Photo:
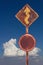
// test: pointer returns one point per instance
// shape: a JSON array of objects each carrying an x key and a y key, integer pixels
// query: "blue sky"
[{"x": 10, "y": 27}]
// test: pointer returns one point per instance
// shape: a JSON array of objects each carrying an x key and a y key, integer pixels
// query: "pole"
[
  {"x": 26, "y": 30},
  {"x": 26, "y": 58},
  {"x": 26, "y": 51}
]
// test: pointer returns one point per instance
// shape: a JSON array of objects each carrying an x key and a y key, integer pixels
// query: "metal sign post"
[
  {"x": 27, "y": 16},
  {"x": 26, "y": 51},
  {"x": 26, "y": 58}
]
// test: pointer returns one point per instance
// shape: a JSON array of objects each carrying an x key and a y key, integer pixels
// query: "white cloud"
[
  {"x": 35, "y": 52},
  {"x": 10, "y": 49}
]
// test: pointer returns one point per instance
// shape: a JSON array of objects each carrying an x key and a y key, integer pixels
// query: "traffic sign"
[
  {"x": 27, "y": 42},
  {"x": 27, "y": 15}
]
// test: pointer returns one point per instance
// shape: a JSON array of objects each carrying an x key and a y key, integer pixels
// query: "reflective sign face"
[
  {"x": 27, "y": 15},
  {"x": 27, "y": 42}
]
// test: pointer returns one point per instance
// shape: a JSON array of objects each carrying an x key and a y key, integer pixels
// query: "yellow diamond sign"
[{"x": 27, "y": 15}]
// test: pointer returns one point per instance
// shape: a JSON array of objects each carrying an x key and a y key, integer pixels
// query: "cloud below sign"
[{"x": 10, "y": 49}]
